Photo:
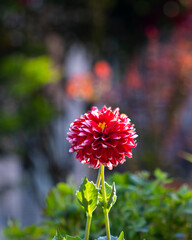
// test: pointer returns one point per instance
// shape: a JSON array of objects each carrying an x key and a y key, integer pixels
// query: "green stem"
[
  {"x": 89, "y": 217},
  {"x": 105, "y": 211},
  {"x": 98, "y": 178},
  {"x": 88, "y": 225}
]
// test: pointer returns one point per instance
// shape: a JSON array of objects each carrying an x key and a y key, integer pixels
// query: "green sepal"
[
  {"x": 110, "y": 194},
  {"x": 87, "y": 196},
  {"x": 58, "y": 236}
]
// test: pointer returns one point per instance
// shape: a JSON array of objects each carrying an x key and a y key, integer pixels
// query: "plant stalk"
[
  {"x": 88, "y": 225},
  {"x": 105, "y": 211},
  {"x": 98, "y": 178},
  {"x": 89, "y": 217}
]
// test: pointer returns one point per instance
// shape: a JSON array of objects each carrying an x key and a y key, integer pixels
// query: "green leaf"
[
  {"x": 112, "y": 198},
  {"x": 72, "y": 238},
  {"x": 58, "y": 236},
  {"x": 110, "y": 194},
  {"x": 88, "y": 196},
  {"x": 121, "y": 236},
  {"x": 112, "y": 238},
  {"x": 161, "y": 176}
]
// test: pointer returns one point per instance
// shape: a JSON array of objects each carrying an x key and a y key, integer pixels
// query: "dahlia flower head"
[{"x": 102, "y": 137}]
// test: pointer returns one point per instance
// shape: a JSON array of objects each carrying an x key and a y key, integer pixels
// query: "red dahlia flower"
[{"x": 102, "y": 137}]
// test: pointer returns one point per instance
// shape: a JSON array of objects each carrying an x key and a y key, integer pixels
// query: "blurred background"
[{"x": 59, "y": 58}]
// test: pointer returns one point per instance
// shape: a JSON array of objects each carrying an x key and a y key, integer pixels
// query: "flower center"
[{"x": 102, "y": 125}]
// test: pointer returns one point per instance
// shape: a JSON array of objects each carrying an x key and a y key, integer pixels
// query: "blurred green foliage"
[
  {"x": 24, "y": 105},
  {"x": 145, "y": 209},
  {"x": 27, "y": 75},
  {"x": 32, "y": 232},
  {"x": 187, "y": 156}
]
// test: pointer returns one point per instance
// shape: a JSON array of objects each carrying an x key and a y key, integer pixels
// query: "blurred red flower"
[
  {"x": 102, "y": 137},
  {"x": 102, "y": 69}
]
